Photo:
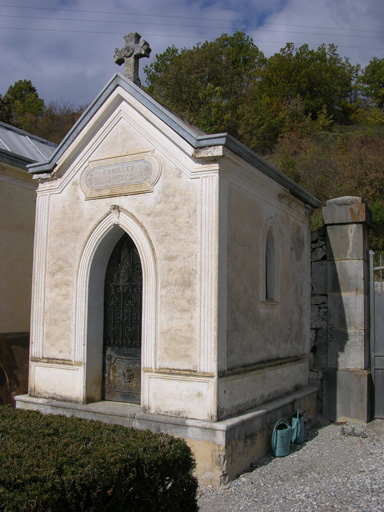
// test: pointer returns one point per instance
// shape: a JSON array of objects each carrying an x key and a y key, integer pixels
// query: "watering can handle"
[
  {"x": 298, "y": 422},
  {"x": 296, "y": 428}
]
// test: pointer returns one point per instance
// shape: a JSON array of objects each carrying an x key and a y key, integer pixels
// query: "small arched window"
[{"x": 270, "y": 268}]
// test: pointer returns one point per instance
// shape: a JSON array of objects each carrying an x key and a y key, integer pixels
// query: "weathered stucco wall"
[
  {"x": 261, "y": 330},
  {"x": 169, "y": 217},
  {"x": 267, "y": 337},
  {"x": 172, "y": 231}
]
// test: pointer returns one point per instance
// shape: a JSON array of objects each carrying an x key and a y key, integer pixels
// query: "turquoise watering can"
[{"x": 281, "y": 438}]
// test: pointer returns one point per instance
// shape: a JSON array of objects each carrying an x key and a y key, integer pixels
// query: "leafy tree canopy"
[
  {"x": 207, "y": 84},
  {"x": 372, "y": 81},
  {"x": 58, "y": 119},
  {"x": 25, "y": 104},
  {"x": 321, "y": 78},
  {"x": 228, "y": 85},
  {"x": 22, "y": 107},
  {"x": 6, "y": 115}
]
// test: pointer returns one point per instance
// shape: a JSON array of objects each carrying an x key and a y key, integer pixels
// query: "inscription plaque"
[
  {"x": 130, "y": 174},
  {"x": 115, "y": 175}
]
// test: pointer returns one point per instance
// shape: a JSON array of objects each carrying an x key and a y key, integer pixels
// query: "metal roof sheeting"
[{"x": 25, "y": 145}]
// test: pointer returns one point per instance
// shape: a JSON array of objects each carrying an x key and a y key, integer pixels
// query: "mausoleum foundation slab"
[{"x": 222, "y": 449}]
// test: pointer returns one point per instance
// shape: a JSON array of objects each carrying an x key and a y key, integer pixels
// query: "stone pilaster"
[{"x": 347, "y": 379}]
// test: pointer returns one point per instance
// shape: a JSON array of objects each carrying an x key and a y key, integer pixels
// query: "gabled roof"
[
  {"x": 196, "y": 138},
  {"x": 20, "y": 148}
]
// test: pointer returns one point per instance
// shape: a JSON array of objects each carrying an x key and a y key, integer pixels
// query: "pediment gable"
[
  {"x": 109, "y": 106},
  {"x": 124, "y": 119}
]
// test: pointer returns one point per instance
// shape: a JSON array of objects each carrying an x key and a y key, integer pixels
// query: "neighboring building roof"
[
  {"x": 21, "y": 148},
  {"x": 194, "y": 137}
]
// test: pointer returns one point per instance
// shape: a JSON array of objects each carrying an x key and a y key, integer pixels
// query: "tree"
[
  {"x": 228, "y": 85},
  {"x": 22, "y": 107},
  {"x": 320, "y": 78},
  {"x": 208, "y": 83},
  {"x": 372, "y": 83},
  {"x": 25, "y": 104},
  {"x": 5, "y": 111},
  {"x": 57, "y": 120}
]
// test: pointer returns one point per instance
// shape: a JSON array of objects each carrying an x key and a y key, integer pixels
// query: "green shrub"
[{"x": 53, "y": 463}]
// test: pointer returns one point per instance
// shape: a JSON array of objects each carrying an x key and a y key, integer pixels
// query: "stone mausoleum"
[{"x": 171, "y": 286}]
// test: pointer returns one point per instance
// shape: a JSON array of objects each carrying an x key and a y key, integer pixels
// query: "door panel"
[{"x": 122, "y": 323}]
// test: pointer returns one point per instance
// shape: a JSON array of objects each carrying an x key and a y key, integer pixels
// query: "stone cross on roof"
[{"x": 130, "y": 55}]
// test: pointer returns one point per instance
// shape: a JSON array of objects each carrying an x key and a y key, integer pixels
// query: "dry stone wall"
[{"x": 319, "y": 308}]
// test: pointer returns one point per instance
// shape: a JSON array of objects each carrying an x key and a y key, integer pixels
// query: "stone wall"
[{"x": 319, "y": 310}]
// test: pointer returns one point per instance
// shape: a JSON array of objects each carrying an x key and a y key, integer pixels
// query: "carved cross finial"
[{"x": 130, "y": 55}]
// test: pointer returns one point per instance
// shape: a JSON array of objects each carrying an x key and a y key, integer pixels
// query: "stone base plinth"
[
  {"x": 222, "y": 449},
  {"x": 347, "y": 394}
]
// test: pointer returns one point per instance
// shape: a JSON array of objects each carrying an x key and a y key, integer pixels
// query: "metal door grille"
[{"x": 123, "y": 292}]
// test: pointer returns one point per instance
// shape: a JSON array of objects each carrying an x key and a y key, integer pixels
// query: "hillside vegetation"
[{"x": 310, "y": 112}]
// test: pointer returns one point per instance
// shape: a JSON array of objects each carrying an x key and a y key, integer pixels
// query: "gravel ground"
[{"x": 328, "y": 472}]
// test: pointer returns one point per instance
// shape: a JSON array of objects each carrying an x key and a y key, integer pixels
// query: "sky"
[{"x": 66, "y": 47}]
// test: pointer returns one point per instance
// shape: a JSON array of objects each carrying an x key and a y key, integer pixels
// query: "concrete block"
[
  {"x": 346, "y": 242},
  {"x": 346, "y": 276},
  {"x": 319, "y": 277},
  {"x": 346, "y": 349},
  {"x": 348, "y": 210},
  {"x": 347, "y": 394},
  {"x": 346, "y": 312},
  {"x": 344, "y": 200}
]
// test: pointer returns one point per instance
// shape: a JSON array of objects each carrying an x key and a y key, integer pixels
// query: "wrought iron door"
[{"x": 122, "y": 323}]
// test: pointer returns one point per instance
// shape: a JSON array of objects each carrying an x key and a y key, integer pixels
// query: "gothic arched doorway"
[{"x": 122, "y": 324}]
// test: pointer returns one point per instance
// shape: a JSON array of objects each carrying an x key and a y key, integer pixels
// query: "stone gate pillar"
[{"x": 347, "y": 379}]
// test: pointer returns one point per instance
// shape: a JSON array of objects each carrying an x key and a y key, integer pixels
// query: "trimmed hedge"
[{"x": 54, "y": 463}]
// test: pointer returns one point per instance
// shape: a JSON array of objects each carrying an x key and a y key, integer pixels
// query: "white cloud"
[{"x": 352, "y": 25}]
